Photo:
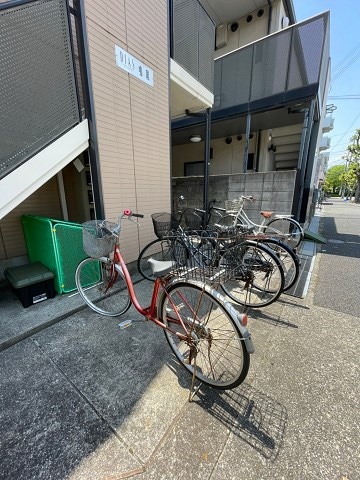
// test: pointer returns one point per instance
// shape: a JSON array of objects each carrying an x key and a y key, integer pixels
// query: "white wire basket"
[
  {"x": 233, "y": 206},
  {"x": 96, "y": 242}
]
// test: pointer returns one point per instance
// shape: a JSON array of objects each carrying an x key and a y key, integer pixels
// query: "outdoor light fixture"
[
  {"x": 195, "y": 138},
  {"x": 228, "y": 140}
]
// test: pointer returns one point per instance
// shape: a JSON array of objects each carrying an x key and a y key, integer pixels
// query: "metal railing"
[
  {"x": 192, "y": 40},
  {"x": 292, "y": 59},
  {"x": 38, "y": 94}
]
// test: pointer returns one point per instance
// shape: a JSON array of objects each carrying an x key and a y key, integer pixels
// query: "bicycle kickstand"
[{"x": 193, "y": 390}]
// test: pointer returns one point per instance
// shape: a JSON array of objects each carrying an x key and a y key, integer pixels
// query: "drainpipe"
[
  {"x": 84, "y": 60},
  {"x": 207, "y": 162},
  {"x": 302, "y": 161},
  {"x": 246, "y": 150},
  {"x": 269, "y": 17}
]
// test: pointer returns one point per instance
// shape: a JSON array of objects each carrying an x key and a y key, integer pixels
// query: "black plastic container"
[{"x": 31, "y": 283}]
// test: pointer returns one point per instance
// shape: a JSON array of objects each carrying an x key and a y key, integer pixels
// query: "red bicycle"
[{"x": 206, "y": 333}]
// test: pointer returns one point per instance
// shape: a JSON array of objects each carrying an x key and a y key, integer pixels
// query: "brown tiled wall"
[{"x": 132, "y": 117}]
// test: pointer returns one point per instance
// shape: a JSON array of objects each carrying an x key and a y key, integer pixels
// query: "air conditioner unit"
[{"x": 221, "y": 35}]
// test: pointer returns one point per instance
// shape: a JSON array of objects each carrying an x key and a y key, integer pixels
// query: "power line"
[
  {"x": 345, "y": 59},
  {"x": 339, "y": 142},
  {"x": 338, "y": 134},
  {"x": 344, "y": 97},
  {"x": 346, "y": 62}
]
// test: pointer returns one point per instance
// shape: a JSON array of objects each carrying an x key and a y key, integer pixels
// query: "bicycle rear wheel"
[
  {"x": 289, "y": 260},
  {"x": 166, "y": 249},
  {"x": 256, "y": 275},
  {"x": 290, "y": 230},
  {"x": 103, "y": 291},
  {"x": 222, "y": 360}
]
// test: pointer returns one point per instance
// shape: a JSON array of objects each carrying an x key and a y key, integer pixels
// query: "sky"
[{"x": 345, "y": 67}]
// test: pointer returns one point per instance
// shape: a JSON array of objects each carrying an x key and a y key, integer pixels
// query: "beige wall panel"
[
  {"x": 97, "y": 12},
  {"x": 132, "y": 117},
  {"x": 116, "y": 19},
  {"x": 44, "y": 202}
]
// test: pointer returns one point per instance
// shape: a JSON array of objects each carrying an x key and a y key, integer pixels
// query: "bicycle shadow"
[
  {"x": 250, "y": 415},
  {"x": 272, "y": 319},
  {"x": 269, "y": 318}
]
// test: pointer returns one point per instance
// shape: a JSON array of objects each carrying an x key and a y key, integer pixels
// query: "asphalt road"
[{"x": 338, "y": 286}]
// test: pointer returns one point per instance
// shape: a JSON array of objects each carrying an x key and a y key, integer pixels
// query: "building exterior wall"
[
  {"x": 44, "y": 202},
  {"x": 227, "y": 158},
  {"x": 132, "y": 117},
  {"x": 246, "y": 32}
]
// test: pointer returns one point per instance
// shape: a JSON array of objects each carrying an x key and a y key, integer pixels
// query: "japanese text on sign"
[{"x": 132, "y": 65}]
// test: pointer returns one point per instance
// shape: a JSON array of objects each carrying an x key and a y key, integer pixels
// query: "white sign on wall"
[{"x": 132, "y": 65}]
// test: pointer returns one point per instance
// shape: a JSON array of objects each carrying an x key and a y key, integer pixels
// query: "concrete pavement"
[{"x": 83, "y": 399}]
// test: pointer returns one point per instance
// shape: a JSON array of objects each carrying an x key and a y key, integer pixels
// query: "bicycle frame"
[
  {"x": 150, "y": 312},
  {"x": 242, "y": 217}
]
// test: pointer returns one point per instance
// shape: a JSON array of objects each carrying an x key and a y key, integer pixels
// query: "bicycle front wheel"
[
  {"x": 256, "y": 278},
  {"x": 289, "y": 229},
  {"x": 102, "y": 290},
  {"x": 221, "y": 359},
  {"x": 289, "y": 260}
]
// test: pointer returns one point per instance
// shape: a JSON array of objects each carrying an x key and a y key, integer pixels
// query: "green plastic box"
[{"x": 58, "y": 245}]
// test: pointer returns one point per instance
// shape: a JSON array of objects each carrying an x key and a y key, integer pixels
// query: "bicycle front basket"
[
  {"x": 96, "y": 242},
  {"x": 193, "y": 220},
  {"x": 233, "y": 206},
  {"x": 164, "y": 224}
]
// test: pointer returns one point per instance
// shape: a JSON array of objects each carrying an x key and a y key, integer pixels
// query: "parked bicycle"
[
  {"x": 257, "y": 274},
  {"x": 287, "y": 255},
  {"x": 207, "y": 335},
  {"x": 283, "y": 226}
]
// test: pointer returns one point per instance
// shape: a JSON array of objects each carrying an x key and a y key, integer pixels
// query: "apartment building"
[
  {"x": 128, "y": 104},
  {"x": 271, "y": 78}
]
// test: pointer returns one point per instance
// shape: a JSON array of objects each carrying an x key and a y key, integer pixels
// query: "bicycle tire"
[
  {"x": 288, "y": 258},
  {"x": 227, "y": 220},
  {"x": 222, "y": 361},
  {"x": 165, "y": 249},
  {"x": 93, "y": 278},
  {"x": 256, "y": 278},
  {"x": 291, "y": 231}
]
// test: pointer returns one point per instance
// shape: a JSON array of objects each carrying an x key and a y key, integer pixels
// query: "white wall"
[{"x": 227, "y": 158}]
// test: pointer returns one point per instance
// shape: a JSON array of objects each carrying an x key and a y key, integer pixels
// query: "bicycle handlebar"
[{"x": 129, "y": 213}]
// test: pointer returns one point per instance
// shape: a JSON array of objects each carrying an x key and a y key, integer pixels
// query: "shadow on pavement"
[
  {"x": 249, "y": 414},
  {"x": 255, "y": 418}
]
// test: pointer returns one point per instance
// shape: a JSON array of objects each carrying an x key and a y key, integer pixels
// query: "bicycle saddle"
[
  {"x": 160, "y": 268},
  {"x": 266, "y": 214}
]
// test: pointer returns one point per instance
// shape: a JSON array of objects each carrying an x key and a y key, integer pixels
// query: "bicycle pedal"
[{"x": 125, "y": 324}]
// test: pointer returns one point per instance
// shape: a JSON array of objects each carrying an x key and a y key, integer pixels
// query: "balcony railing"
[
  {"x": 38, "y": 94},
  {"x": 279, "y": 67},
  {"x": 192, "y": 40}
]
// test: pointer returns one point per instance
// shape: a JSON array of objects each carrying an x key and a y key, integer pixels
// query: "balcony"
[
  {"x": 324, "y": 143},
  {"x": 283, "y": 68},
  {"x": 192, "y": 57},
  {"x": 328, "y": 124}
]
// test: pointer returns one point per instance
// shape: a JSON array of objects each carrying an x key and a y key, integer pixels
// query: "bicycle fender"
[{"x": 235, "y": 315}]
